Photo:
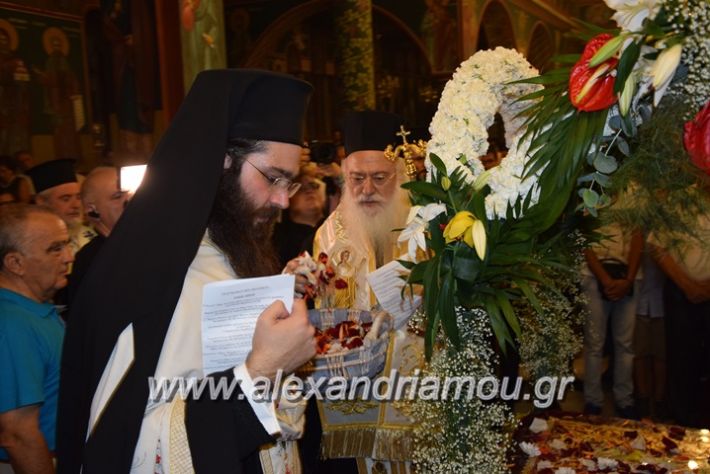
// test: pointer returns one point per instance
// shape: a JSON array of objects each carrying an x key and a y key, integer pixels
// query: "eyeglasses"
[
  {"x": 378, "y": 179},
  {"x": 281, "y": 184}
]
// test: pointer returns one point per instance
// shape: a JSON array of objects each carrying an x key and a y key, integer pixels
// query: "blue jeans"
[{"x": 623, "y": 318}]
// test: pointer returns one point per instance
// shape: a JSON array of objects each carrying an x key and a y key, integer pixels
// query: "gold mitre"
[{"x": 406, "y": 151}]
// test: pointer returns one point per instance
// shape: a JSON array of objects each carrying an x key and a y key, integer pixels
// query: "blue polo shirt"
[{"x": 31, "y": 336}]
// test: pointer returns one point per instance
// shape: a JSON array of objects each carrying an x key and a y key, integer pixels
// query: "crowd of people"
[
  {"x": 231, "y": 192},
  {"x": 652, "y": 296}
]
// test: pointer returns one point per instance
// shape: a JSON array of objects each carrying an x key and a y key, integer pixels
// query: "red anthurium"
[
  {"x": 697, "y": 139},
  {"x": 592, "y": 88}
]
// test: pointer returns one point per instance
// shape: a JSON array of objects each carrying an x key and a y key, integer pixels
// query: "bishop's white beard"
[{"x": 375, "y": 231}]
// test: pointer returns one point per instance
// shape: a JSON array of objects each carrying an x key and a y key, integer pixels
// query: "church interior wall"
[{"x": 417, "y": 46}]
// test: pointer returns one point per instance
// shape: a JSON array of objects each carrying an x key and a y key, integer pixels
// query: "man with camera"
[{"x": 325, "y": 156}]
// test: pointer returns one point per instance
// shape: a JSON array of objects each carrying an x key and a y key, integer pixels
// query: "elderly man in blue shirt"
[{"x": 34, "y": 262}]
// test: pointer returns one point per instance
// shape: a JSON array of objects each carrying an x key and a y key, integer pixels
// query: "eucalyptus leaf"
[
  {"x": 587, "y": 178},
  {"x": 623, "y": 146},
  {"x": 602, "y": 179},
  {"x": 590, "y": 197},
  {"x": 605, "y": 163},
  {"x": 615, "y": 122}
]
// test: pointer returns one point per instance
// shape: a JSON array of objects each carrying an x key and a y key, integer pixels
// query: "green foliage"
[
  {"x": 454, "y": 275},
  {"x": 626, "y": 65},
  {"x": 663, "y": 189}
]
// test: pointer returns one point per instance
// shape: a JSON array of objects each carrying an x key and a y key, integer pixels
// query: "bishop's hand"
[{"x": 294, "y": 267}]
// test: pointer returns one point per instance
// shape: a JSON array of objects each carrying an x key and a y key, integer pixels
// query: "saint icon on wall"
[
  {"x": 63, "y": 101},
  {"x": 202, "y": 37},
  {"x": 14, "y": 94}
]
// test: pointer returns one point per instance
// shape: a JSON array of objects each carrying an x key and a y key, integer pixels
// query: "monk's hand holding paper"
[{"x": 281, "y": 340}]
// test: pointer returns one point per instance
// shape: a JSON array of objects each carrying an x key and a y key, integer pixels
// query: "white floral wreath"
[{"x": 459, "y": 131}]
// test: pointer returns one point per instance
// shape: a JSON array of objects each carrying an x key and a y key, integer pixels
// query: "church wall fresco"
[
  {"x": 202, "y": 37},
  {"x": 417, "y": 45},
  {"x": 43, "y": 105}
]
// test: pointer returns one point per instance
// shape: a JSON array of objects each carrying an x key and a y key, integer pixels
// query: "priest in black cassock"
[{"x": 213, "y": 187}]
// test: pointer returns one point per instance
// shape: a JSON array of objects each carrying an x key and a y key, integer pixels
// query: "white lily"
[
  {"x": 663, "y": 70},
  {"x": 630, "y": 14},
  {"x": 417, "y": 223}
]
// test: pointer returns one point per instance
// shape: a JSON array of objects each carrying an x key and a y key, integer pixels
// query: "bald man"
[
  {"x": 103, "y": 203},
  {"x": 102, "y": 199}
]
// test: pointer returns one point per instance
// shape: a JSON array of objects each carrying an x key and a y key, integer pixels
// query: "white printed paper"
[
  {"x": 387, "y": 286},
  {"x": 229, "y": 312}
]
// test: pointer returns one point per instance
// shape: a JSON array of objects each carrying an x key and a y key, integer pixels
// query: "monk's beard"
[
  {"x": 377, "y": 230},
  {"x": 234, "y": 228}
]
